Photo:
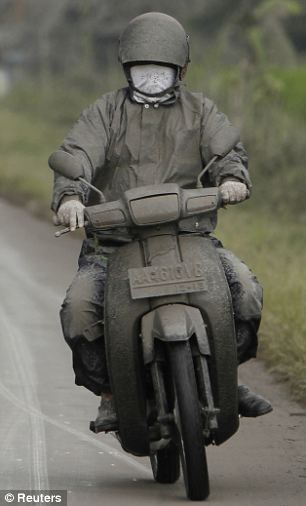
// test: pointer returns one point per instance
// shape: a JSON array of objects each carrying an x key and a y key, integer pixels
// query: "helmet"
[{"x": 154, "y": 37}]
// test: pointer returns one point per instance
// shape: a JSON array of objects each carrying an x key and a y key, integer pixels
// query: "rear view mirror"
[
  {"x": 69, "y": 166},
  {"x": 65, "y": 164}
]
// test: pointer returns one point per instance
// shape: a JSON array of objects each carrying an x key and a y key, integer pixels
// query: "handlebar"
[{"x": 152, "y": 205}]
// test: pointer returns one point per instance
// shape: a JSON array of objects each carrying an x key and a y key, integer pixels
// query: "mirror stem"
[
  {"x": 92, "y": 187},
  {"x": 199, "y": 183}
]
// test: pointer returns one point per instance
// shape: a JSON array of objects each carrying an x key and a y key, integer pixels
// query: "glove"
[
  {"x": 71, "y": 212},
  {"x": 233, "y": 192}
]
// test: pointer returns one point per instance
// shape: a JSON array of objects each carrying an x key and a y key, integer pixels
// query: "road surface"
[{"x": 44, "y": 436}]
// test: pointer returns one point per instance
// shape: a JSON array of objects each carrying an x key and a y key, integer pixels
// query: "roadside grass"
[{"x": 271, "y": 243}]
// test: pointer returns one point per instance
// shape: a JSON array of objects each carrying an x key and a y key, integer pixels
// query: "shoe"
[
  {"x": 106, "y": 419},
  {"x": 251, "y": 404}
]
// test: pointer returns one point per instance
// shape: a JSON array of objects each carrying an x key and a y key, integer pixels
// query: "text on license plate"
[{"x": 174, "y": 279}]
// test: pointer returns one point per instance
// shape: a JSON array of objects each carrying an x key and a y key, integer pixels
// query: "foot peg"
[{"x": 107, "y": 427}]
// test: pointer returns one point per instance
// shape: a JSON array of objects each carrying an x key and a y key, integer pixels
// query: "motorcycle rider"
[{"x": 152, "y": 131}]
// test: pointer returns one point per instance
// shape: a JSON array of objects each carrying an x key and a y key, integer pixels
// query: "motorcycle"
[{"x": 169, "y": 327}]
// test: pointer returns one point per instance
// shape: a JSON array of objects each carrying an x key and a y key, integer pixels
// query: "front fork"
[
  {"x": 208, "y": 409},
  {"x": 163, "y": 428}
]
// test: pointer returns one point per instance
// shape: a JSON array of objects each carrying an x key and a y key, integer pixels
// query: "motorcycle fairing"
[{"x": 173, "y": 322}]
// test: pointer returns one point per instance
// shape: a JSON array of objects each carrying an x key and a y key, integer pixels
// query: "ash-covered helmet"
[{"x": 154, "y": 37}]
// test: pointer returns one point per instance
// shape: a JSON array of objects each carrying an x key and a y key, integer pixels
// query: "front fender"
[{"x": 173, "y": 322}]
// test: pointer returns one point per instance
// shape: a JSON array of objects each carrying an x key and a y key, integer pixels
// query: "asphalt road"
[{"x": 44, "y": 437}]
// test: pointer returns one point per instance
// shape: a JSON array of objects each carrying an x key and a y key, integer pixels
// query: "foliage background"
[{"x": 247, "y": 55}]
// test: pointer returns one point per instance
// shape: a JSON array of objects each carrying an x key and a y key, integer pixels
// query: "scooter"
[{"x": 169, "y": 327}]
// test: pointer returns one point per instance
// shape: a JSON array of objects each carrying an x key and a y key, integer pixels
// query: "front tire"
[{"x": 188, "y": 420}]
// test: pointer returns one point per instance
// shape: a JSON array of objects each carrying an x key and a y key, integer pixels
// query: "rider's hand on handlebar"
[
  {"x": 233, "y": 192},
  {"x": 71, "y": 212}
]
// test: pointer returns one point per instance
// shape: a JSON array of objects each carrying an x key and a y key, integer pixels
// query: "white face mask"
[{"x": 152, "y": 78}]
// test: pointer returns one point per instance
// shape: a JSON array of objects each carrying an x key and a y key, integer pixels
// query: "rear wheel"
[
  {"x": 166, "y": 464},
  {"x": 188, "y": 421}
]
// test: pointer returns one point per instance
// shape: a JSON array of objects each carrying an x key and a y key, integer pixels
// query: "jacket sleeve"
[
  {"x": 234, "y": 166},
  {"x": 87, "y": 141}
]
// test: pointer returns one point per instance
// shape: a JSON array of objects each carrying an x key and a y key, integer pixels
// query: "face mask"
[{"x": 152, "y": 78}]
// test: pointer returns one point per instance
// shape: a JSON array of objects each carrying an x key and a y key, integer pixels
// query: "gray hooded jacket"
[{"x": 123, "y": 144}]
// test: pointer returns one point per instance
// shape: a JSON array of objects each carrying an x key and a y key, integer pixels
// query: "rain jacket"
[{"x": 123, "y": 144}]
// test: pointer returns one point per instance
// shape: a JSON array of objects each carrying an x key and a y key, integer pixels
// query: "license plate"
[{"x": 164, "y": 280}]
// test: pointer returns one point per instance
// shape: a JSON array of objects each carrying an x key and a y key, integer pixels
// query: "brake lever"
[{"x": 65, "y": 230}]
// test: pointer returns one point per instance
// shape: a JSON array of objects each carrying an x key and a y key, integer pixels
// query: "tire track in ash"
[
  {"x": 6, "y": 393},
  {"x": 24, "y": 370}
]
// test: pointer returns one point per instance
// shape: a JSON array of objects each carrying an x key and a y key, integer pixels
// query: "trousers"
[{"x": 82, "y": 312}]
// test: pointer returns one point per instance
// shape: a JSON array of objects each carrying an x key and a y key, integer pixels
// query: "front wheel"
[{"x": 188, "y": 421}]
